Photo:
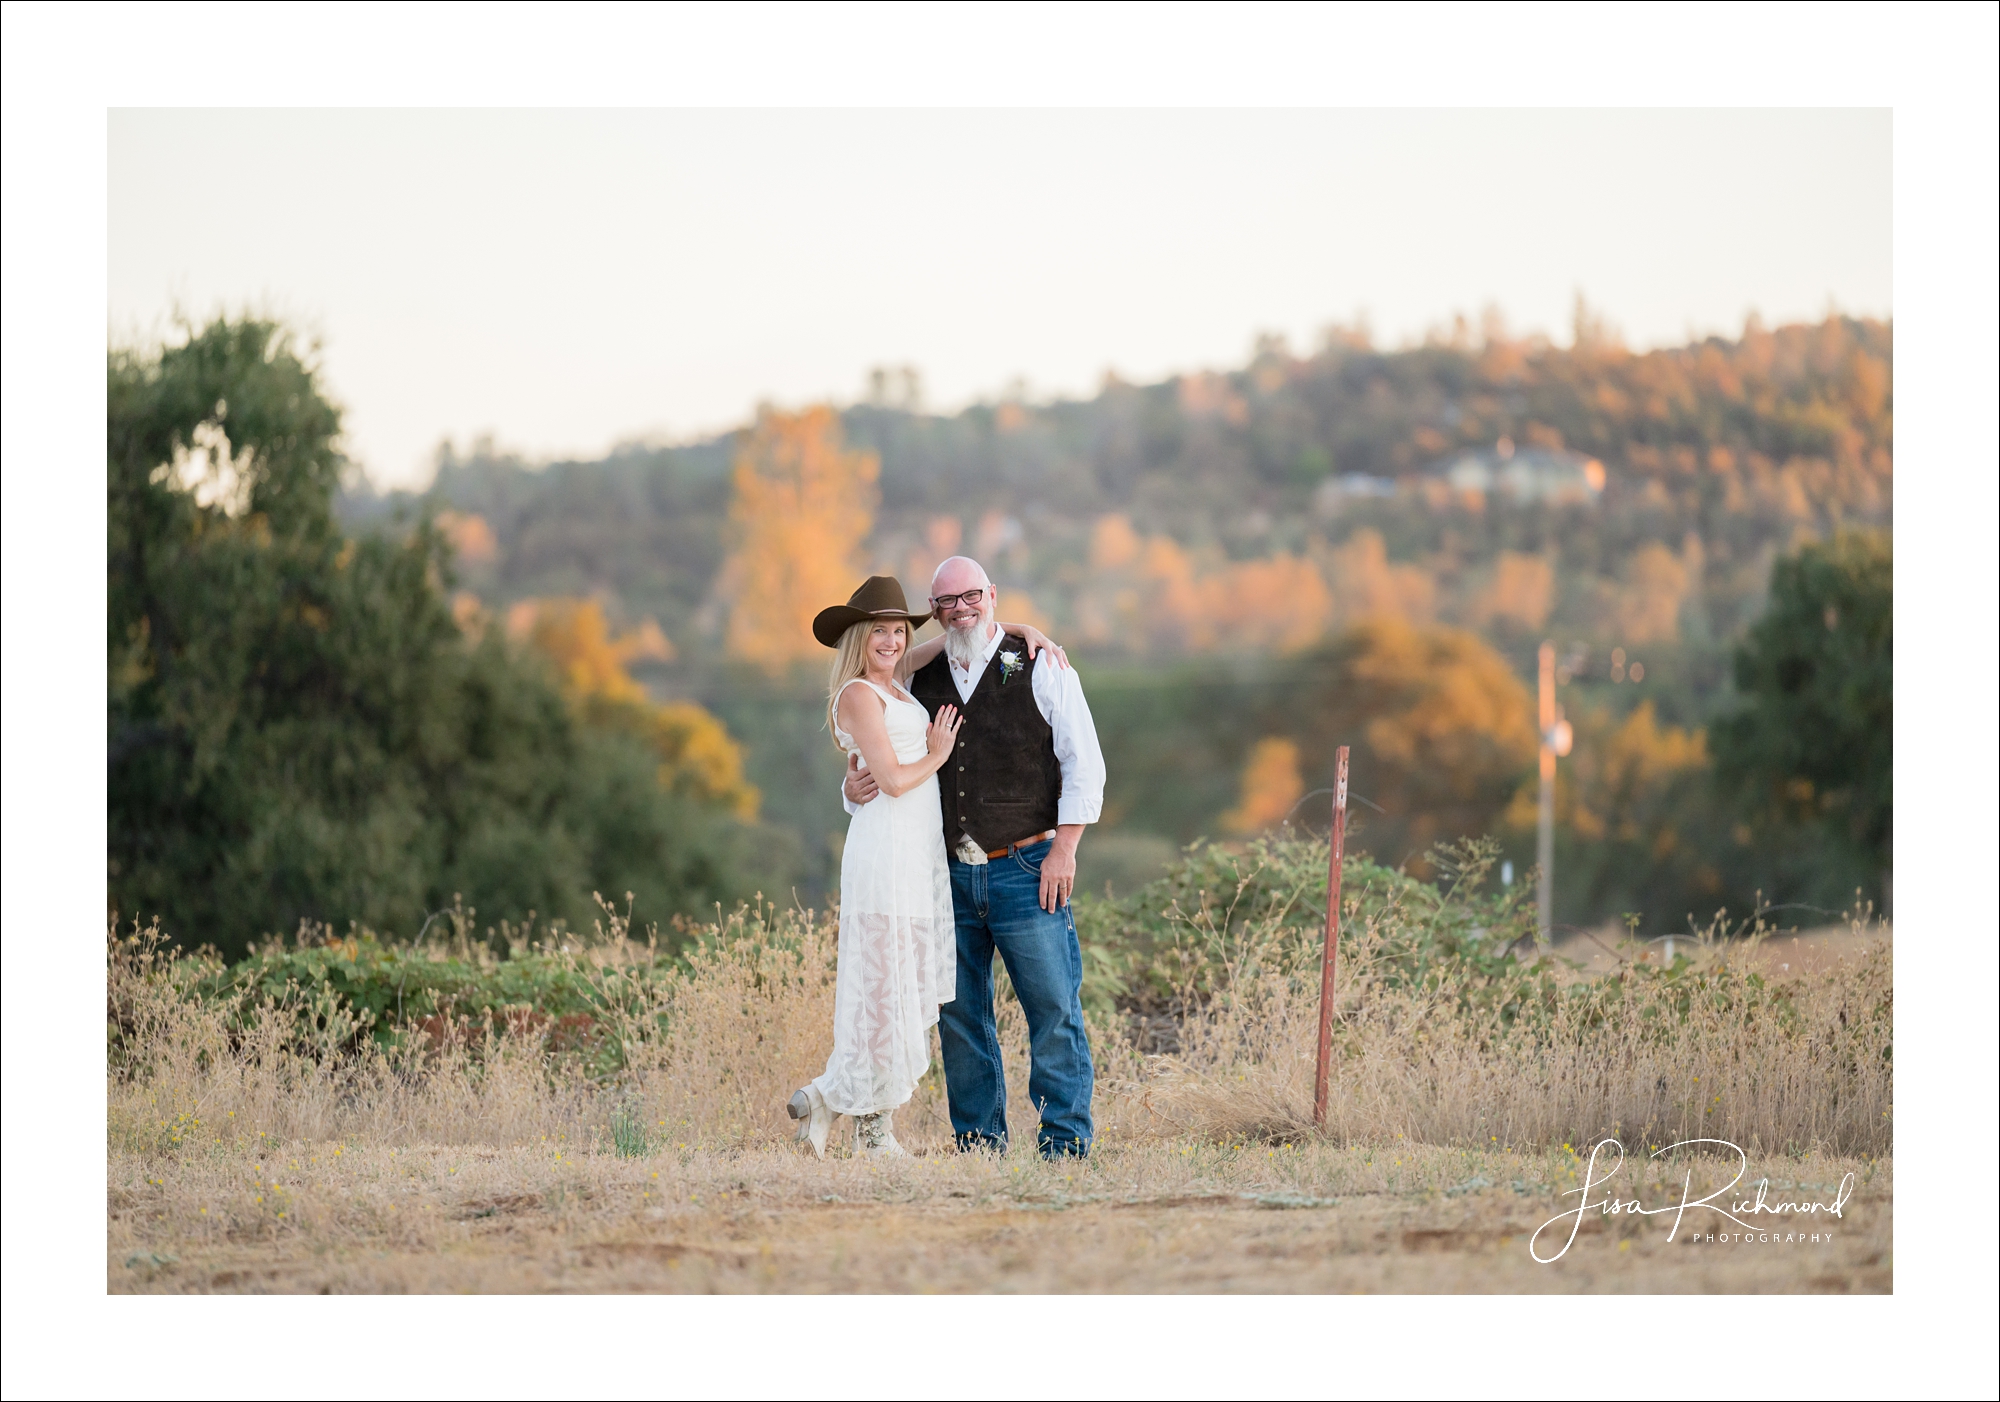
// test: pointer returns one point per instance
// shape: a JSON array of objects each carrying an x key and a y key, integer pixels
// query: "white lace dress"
[{"x": 898, "y": 953}]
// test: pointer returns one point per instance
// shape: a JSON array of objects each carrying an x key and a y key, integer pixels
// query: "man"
[{"x": 1026, "y": 778}]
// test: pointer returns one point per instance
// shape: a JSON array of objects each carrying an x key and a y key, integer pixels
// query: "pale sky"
[{"x": 564, "y": 280}]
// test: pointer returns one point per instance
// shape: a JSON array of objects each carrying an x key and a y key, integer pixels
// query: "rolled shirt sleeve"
[{"x": 1059, "y": 697}]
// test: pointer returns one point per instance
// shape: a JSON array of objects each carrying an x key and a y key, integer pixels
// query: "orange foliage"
[
  {"x": 1460, "y": 713},
  {"x": 1280, "y": 602},
  {"x": 942, "y": 534},
  {"x": 1271, "y": 787},
  {"x": 1366, "y": 585},
  {"x": 1636, "y": 759},
  {"x": 1522, "y": 592},
  {"x": 573, "y": 634},
  {"x": 1442, "y": 731},
  {"x": 1613, "y": 785},
  {"x": 472, "y": 540},
  {"x": 1648, "y": 608},
  {"x": 1151, "y": 589},
  {"x": 1170, "y": 596},
  {"x": 697, "y": 755},
  {"x": 1113, "y": 542},
  {"x": 1015, "y": 606},
  {"x": 803, "y": 505}
]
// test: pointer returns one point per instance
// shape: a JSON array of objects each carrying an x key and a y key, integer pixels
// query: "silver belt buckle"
[{"x": 970, "y": 852}]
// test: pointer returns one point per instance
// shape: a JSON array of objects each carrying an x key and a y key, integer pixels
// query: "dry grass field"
[
  {"x": 1780, "y": 956},
  {"x": 1149, "y": 1217},
  {"x": 247, "y": 1155}
]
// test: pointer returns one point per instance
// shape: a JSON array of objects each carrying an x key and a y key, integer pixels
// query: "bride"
[{"x": 898, "y": 946}]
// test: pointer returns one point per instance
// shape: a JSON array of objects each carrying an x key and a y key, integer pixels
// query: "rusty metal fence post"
[{"x": 1330, "y": 953}]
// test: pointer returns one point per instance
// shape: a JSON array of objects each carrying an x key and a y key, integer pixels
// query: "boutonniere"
[{"x": 1010, "y": 666}]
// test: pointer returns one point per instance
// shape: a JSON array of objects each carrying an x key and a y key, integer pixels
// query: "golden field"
[
  {"x": 1155, "y": 1216},
  {"x": 245, "y": 1158}
]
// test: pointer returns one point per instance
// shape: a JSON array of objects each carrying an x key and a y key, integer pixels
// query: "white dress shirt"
[{"x": 1059, "y": 697}]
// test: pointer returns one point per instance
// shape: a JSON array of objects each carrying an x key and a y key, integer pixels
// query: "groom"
[{"x": 1026, "y": 779}]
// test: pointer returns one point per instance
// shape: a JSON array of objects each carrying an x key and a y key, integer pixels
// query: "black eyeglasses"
[{"x": 971, "y": 598}]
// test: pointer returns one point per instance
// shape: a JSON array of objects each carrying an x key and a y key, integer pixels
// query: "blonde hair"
[{"x": 850, "y": 660}]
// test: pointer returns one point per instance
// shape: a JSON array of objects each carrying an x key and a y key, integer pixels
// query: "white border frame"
[{"x": 64, "y": 66}]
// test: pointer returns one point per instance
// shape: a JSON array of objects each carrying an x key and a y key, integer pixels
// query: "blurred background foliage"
[{"x": 539, "y": 679}]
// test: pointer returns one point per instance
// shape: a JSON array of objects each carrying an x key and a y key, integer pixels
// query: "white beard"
[{"x": 965, "y": 646}]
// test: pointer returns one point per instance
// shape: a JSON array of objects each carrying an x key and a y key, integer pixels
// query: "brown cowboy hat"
[{"x": 879, "y": 596}]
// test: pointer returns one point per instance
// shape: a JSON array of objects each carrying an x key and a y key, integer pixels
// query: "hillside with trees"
[
  {"x": 1259, "y": 564},
  {"x": 1716, "y": 457}
]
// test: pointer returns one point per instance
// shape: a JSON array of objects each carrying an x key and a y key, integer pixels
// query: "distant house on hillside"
[
  {"x": 1335, "y": 491},
  {"x": 1525, "y": 474}
]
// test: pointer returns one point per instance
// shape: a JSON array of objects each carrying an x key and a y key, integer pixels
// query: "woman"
[{"x": 898, "y": 951}]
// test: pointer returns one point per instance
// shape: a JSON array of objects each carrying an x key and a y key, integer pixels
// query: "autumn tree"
[
  {"x": 1637, "y": 828},
  {"x": 803, "y": 505},
  {"x": 1271, "y": 787},
  {"x": 1149, "y": 590},
  {"x": 1368, "y": 586},
  {"x": 1519, "y": 596},
  {"x": 1440, "y": 728},
  {"x": 698, "y": 758}
]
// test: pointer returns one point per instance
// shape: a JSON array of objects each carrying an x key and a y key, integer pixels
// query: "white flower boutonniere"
[{"x": 1010, "y": 666}]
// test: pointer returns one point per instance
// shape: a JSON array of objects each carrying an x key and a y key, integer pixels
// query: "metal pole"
[
  {"x": 1545, "y": 835},
  {"x": 1327, "y": 956}
]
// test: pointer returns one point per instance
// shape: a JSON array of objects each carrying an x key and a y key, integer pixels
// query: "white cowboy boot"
[
  {"x": 814, "y": 1115},
  {"x": 874, "y": 1139}
]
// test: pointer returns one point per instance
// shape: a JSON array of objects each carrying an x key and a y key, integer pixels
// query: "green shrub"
[{"x": 1175, "y": 938}]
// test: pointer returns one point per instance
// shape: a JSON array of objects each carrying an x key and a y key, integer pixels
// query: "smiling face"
[
  {"x": 956, "y": 578},
  {"x": 887, "y": 642}
]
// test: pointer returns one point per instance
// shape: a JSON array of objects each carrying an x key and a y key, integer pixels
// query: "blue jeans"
[{"x": 998, "y": 908}]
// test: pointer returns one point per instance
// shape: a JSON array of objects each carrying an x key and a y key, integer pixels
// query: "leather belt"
[{"x": 1008, "y": 850}]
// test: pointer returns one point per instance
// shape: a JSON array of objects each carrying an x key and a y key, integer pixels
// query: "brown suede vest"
[{"x": 1003, "y": 782}]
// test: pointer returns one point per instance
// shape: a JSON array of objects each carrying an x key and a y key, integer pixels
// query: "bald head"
[{"x": 957, "y": 575}]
